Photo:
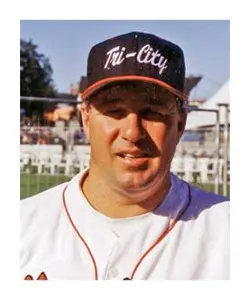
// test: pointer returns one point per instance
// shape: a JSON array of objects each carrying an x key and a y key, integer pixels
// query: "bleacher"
[{"x": 51, "y": 159}]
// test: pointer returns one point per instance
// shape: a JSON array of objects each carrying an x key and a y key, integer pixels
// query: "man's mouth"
[
  {"x": 133, "y": 155},
  {"x": 134, "y": 160}
]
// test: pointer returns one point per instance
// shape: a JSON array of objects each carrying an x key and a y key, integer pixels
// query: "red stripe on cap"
[{"x": 97, "y": 85}]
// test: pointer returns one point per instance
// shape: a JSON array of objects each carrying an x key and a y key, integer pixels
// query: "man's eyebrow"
[
  {"x": 110, "y": 100},
  {"x": 156, "y": 102},
  {"x": 149, "y": 100},
  {"x": 159, "y": 102}
]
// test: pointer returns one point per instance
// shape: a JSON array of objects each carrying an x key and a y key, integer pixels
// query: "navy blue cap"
[{"x": 136, "y": 56}]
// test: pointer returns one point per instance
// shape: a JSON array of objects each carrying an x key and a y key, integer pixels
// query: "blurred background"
[{"x": 53, "y": 58}]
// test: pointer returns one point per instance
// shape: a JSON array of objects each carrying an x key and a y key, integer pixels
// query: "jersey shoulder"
[
  {"x": 42, "y": 199},
  {"x": 207, "y": 203},
  {"x": 40, "y": 209}
]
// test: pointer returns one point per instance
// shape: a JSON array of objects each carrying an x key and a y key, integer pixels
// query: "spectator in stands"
[
  {"x": 25, "y": 138},
  {"x": 64, "y": 113},
  {"x": 41, "y": 140},
  {"x": 49, "y": 117},
  {"x": 24, "y": 121},
  {"x": 35, "y": 119}
]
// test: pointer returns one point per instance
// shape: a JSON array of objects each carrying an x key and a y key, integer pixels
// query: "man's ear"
[
  {"x": 181, "y": 123},
  {"x": 84, "y": 109}
]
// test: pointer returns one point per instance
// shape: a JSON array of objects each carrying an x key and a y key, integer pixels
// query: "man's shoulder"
[
  {"x": 204, "y": 203},
  {"x": 45, "y": 207},
  {"x": 40, "y": 207},
  {"x": 44, "y": 198},
  {"x": 198, "y": 194}
]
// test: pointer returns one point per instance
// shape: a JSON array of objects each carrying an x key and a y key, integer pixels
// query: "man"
[{"x": 127, "y": 217}]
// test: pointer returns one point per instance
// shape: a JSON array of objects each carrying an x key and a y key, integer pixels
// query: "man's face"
[{"x": 133, "y": 131}]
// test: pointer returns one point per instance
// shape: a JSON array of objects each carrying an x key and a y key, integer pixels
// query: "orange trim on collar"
[{"x": 160, "y": 238}]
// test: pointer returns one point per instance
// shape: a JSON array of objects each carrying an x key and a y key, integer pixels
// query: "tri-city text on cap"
[{"x": 145, "y": 55}]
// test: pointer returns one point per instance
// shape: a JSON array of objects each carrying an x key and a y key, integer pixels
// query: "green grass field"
[{"x": 31, "y": 184}]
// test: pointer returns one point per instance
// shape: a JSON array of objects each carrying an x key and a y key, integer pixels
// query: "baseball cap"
[{"x": 136, "y": 56}]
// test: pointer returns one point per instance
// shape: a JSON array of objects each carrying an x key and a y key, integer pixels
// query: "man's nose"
[{"x": 132, "y": 128}]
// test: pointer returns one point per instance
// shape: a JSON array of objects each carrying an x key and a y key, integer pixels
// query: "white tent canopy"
[{"x": 197, "y": 119}]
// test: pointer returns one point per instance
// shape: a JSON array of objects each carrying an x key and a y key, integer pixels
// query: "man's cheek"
[
  {"x": 103, "y": 135},
  {"x": 109, "y": 130}
]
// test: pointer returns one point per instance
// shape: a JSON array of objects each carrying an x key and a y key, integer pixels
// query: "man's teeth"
[{"x": 134, "y": 155}]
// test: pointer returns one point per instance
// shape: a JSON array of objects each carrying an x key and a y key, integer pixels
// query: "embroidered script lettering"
[
  {"x": 146, "y": 55},
  {"x": 115, "y": 57}
]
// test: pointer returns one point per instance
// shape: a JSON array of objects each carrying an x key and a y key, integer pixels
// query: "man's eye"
[
  {"x": 115, "y": 112},
  {"x": 150, "y": 113}
]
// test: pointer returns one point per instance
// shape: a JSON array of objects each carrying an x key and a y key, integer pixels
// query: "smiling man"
[
  {"x": 133, "y": 129},
  {"x": 127, "y": 216}
]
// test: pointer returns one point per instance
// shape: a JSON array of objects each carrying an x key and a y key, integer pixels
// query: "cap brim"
[{"x": 101, "y": 83}]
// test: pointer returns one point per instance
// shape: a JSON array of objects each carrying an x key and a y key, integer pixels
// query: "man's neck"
[{"x": 120, "y": 205}]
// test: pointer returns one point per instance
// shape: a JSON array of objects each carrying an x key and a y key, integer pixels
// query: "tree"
[{"x": 35, "y": 72}]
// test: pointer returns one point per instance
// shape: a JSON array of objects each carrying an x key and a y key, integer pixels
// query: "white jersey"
[{"x": 54, "y": 233}]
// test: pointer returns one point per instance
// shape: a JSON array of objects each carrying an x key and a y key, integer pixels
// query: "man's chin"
[{"x": 137, "y": 183}]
